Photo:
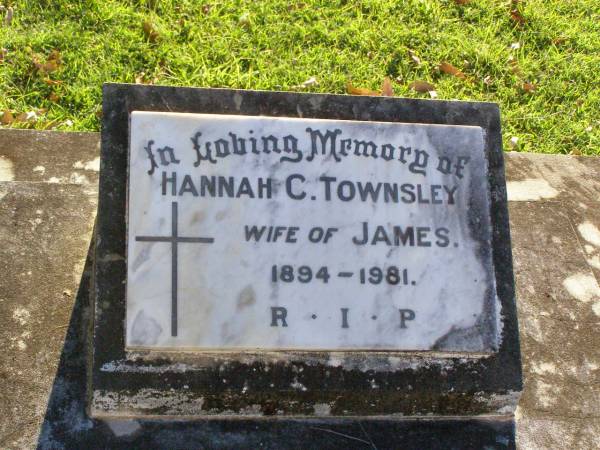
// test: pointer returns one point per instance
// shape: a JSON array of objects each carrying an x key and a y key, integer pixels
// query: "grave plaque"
[
  {"x": 293, "y": 255},
  {"x": 250, "y": 232}
]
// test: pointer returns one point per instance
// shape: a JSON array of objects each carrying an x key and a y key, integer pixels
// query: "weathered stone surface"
[
  {"x": 50, "y": 157},
  {"x": 39, "y": 404},
  {"x": 555, "y": 224},
  {"x": 45, "y": 229}
]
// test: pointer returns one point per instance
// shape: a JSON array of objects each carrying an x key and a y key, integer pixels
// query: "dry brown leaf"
[
  {"x": 421, "y": 86},
  {"x": 297, "y": 6},
  {"x": 150, "y": 31},
  {"x": 7, "y": 117},
  {"x": 414, "y": 57},
  {"x": 3, "y": 53},
  {"x": 53, "y": 97},
  {"x": 52, "y": 63},
  {"x": 528, "y": 87},
  {"x": 559, "y": 40},
  {"x": 27, "y": 117},
  {"x": 55, "y": 56},
  {"x": 514, "y": 65},
  {"x": 50, "y": 82},
  {"x": 516, "y": 16},
  {"x": 461, "y": 2},
  {"x": 360, "y": 91},
  {"x": 451, "y": 70},
  {"x": 50, "y": 66},
  {"x": 23, "y": 117},
  {"x": 386, "y": 89}
]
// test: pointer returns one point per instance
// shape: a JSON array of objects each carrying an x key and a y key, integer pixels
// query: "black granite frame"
[{"x": 192, "y": 385}]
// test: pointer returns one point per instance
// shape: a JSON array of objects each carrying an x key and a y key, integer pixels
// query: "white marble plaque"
[{"x": 248, "y": 232}]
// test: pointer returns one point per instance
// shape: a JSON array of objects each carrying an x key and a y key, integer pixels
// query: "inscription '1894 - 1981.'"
[{"x": 314, "y": 234}]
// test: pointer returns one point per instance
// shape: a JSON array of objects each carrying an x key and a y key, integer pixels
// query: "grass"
[{"x": 58, "y": 54}]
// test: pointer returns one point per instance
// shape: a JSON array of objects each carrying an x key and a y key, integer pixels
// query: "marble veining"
[{"x": 248, "y": 232}]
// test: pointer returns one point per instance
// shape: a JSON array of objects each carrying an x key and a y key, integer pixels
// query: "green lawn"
[{"x": 55, "y": 55}]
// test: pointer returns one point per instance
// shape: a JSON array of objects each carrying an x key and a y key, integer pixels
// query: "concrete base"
[
  {"x": 555, "y": 226},
  {"x": 48, "y": 188}
]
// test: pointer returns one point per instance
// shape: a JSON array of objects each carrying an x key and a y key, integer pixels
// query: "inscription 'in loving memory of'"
[{"x": 327, "y": 143}]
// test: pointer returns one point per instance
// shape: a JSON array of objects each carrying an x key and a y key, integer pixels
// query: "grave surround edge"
[{"x": 260, "y": 384}]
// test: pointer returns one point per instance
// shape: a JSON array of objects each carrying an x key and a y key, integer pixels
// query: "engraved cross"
[{"x": 174, "y": 239}]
